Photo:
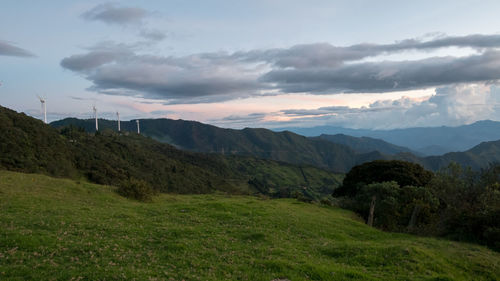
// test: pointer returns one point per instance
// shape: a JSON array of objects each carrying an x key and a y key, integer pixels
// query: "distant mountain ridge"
[
  {"x": 262, "y": 143},
  {"x": 367, "y": 144},
  {"x": 426, "y": 140},
  {"x": 336, "y": 153}
]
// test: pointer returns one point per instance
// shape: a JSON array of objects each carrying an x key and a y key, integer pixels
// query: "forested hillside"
[
  {"x": 28, "y": 145},
  {"x": 262, "y": 143},
  {"x": 366, "y": 144}
]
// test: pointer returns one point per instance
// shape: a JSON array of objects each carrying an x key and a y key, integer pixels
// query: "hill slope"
[
  {"x": 62, "y": 230},
  {"x": 28, "y": 145},
  {"x": 478, "y": 157},
  {"x": 366, "y": 144}
]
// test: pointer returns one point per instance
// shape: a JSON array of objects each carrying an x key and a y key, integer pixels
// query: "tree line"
[{"x": 454, "y": 202}]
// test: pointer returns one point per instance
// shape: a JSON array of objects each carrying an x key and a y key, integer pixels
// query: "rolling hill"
[{"x": 59, "y": 229}]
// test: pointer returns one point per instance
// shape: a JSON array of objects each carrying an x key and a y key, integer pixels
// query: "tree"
[
  {"x": 388, "y": 206},
  {"x": 401, "y": 172},
  {"x": 469, "y": 204}
]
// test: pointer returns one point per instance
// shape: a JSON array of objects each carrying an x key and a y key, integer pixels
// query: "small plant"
[
  {"x": 136, "y": 189},
  {"x": 326, "y": 201},
  {"x": 300, "y": 196}
]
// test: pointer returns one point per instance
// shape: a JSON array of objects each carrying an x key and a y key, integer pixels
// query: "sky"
[{"x": 260, "y": 63}]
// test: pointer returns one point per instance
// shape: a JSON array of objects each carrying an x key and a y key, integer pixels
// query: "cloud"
[
  {"x": 324, "y": 55},
  {"x": 154, "y": 35},
  {"x": 311, "y": 68},
  {"x": 249, "y": 120},
  {"x": 450, "y": 105},
  {"x": 7, "y": 49},
  {"x": 82, "y": 99},
  {"x": 240, "y": 118},
  {"x": 388, "y": 76},
  {"x": 97, "y": 56},
  {"x": 335, "y": 110},
  {"x": 118, "y": 70},
  {"x": 114, "y": 14}
]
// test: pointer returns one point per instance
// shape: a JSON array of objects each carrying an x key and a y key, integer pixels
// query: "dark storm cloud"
[
  {"x": 114, "y": 14},
  {"x": 314, "y": 68},
  {"x": 7, "y": 49}
]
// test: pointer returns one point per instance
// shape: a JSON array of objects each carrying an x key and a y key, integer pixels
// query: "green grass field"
[{"x": 57, "y": 229}]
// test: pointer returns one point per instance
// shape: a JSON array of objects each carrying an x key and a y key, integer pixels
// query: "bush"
[
  {"x": 136, "y": 189},
  {"x": 300, "y": 196}
]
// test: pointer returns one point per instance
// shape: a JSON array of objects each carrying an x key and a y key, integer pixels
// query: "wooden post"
[
  {"x": 413, "y": 218},
  {"x": 372, "y": 210}
]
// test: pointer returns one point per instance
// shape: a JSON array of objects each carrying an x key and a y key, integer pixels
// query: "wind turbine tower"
[
  {"x": 95, "y": 116},
  {"x": 118, "y": 117},
  {"x": 44, "y": 109},
  {"x": 138, "y": 128}
]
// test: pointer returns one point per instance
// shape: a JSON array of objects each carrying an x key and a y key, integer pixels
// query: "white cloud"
[
  {"x": 451, "y": 105},
  {"x": 313, "y": 68}
]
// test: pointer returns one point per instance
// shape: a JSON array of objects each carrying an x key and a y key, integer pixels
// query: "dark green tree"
[{"x": 401, "y": 172}]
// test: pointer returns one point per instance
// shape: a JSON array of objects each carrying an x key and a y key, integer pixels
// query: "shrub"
[
  {"x": 136, "y": 189},
  {"x": 300, "y": 196}
]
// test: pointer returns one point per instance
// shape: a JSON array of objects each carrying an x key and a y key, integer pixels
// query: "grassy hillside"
[{"x": 55, "y": 229}]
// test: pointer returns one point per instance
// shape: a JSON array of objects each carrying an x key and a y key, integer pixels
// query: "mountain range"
[
  {"x": 337, "y": 153},
  {"x": 262, "y": 143},
  {"x": 367, "y": 144},
  {"x": 425, "y": 140}
]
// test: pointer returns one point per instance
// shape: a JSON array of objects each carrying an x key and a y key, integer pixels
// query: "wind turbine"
[
  {"x": 44, "y": 109},
  {"x": 118, "y": 117},
  {"x": 95, "y": 116},
  {"x": 138, "y": 129}
]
